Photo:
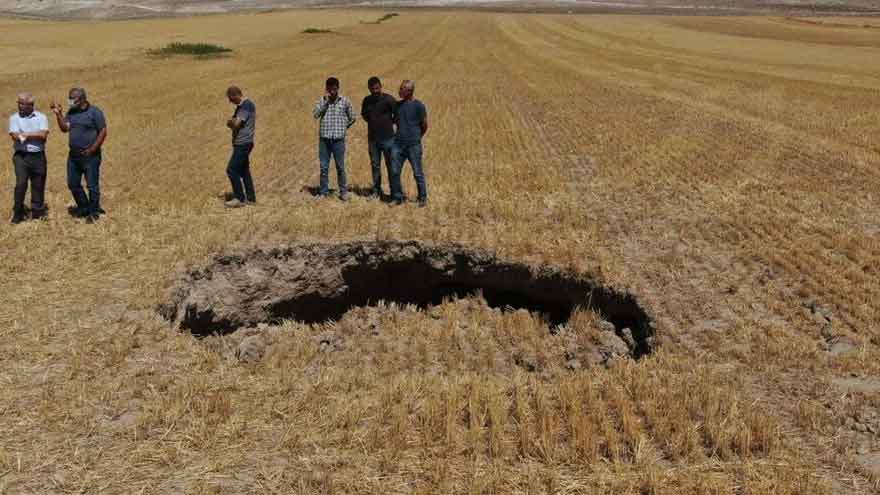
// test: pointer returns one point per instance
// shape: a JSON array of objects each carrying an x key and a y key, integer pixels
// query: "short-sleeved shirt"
[
  {"x": 246, "y": 111},
  {"x": 378, "y": 111},
  {"x": 85, "y": 125},
  {"x": 35, "y": 122},
  {"x": 410, "y": 115}
]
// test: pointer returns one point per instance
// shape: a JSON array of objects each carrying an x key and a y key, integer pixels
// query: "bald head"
[{"x": 25, "y": 104}]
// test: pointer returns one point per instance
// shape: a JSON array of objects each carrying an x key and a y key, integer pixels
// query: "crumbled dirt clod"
[{"x": 251, "y": 349}]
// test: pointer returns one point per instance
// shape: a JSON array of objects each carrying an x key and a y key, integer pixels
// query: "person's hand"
[
  {"x": 91, "y": 150},
  {"x": 22, "y": 137},
  {"x": 56, "y": 108}
]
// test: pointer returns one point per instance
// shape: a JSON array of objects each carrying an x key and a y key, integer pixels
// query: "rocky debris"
[
  {"x": 330, "y": 342},
  {"x": 611, "y": 345},
  {"x": 573, "y": 364},
  {"x": 527, "y": 361},
  {"x": 315, "y": 283},
  {"x": 607, "y": 326},
  {"x": 627, "y": 336},
  {"x": 840, "y": 345},
  {"x": 870, "y": 462},
  {"x": 251, "y": 349}
]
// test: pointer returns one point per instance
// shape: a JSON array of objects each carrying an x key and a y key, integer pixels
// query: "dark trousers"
[
  {"x": 29, "y": 167},
  {"x": 90, "y": 167},
  {"x": 239, "y": 172},
  {"x": 378, "y": 150}
]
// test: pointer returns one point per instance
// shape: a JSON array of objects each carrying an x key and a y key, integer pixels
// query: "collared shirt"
[
  {"x": 410, "y": 115},
  {"x": 85, "y": 125},
  {"x": 246, "y": 111},
  {"x": 335, "y": 117},
  {"x": 35, "y": 122},
  {"x": 378, "y": 111}
]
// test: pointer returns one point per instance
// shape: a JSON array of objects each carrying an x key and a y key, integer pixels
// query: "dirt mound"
[{"x": 314, "y": 283}]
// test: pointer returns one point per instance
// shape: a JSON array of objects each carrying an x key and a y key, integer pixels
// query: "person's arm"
[
  {"x": 40, "y": 135},
  {"x": 365, "y": 110},
  {"x": 320, "y": 108},
  {"x": 102, "y": 135},
  {"x": 424, "y": 123},
  {"x": 14, "y": 131},
  {"x": 349, "y": 112},
  {"x": 63, "y": 124},
  {"x": 242, "y": 115}
]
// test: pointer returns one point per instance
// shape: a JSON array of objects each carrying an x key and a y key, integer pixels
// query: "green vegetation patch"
[
  {"x": 382, "y": 19},
  {"x": 316, "y": 30},
  {"x": 194, "y": 49}
]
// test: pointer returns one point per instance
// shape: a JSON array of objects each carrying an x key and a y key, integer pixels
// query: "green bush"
[
  {"x": 196, "y": 49},
  {"x": 316, "y": 30}
]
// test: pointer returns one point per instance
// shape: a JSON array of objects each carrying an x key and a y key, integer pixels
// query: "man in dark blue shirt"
[
  {"x": 412, "y": 124},
  {"x": 88, "y": 129}
]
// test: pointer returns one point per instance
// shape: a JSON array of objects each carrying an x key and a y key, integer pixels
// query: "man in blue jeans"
[
  {"x": 412, "y": 124},
  {"x": 88, "y": 129},
  {"x": 378, "y": 110},
  {"x": 336, "y": 116},
  {"x": 243, "y": 125}
]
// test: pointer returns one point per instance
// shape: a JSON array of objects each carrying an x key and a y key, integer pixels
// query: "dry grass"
[{"x": 725, "y": 171}]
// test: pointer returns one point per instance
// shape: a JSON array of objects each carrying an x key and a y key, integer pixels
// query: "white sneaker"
[{"x": 233, "y": 203}]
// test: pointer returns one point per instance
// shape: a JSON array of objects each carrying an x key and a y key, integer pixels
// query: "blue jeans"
[
  {"x": 336, "y": 148},
  {"x": 90, "y": 166},
  {"x": 378, "y": 149},
  {"x": 413, "y": 153},
  {"x": 239, "y": 172}
]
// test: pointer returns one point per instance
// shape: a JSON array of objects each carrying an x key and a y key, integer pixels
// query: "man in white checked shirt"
[{"x": 336, "y": 116}]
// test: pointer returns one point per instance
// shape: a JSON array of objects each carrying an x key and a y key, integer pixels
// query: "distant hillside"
[{"x": 120, "y": 9}]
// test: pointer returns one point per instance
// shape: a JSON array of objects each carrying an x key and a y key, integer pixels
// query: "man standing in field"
[
  {"x": 29, "y": 130},
  {"x": 336, "y": 116},
  {"x": 412, "y": 124},
  {"x": 243, "y": 125},
  {"x": 88, "y": 129},
  {"x": 378, "y": 110}
]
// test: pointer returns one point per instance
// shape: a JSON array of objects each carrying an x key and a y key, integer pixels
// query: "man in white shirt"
[{"x": 29, "y": 130}]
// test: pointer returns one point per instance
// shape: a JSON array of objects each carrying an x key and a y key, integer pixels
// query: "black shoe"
[
  {"x": 397, "y": 202},
  {"x": 92, "y": 218},
  {"x": 76, "y": 212},
  {"x": 423, "y": 203},
  {"x": 343, "y": 197},
  {"x": 38, "y": 214},
  {"x": 17, "y": 217}
]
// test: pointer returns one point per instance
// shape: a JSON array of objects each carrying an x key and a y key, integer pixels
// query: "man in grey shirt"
[
  {"x": 243, "y": 125},
  {"x": 87, "y": 128}
]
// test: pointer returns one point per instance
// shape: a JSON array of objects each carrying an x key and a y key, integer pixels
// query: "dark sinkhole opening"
[{"x": 315, "y": 283}]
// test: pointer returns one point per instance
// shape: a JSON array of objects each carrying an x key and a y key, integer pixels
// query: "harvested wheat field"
[{"x": 648, "y": 265}]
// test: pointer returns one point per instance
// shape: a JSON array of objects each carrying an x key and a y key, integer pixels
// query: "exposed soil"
[{"x": 316, "y": 283}]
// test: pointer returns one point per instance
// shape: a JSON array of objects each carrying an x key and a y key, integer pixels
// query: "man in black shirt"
[{"x": 378, "y": 110}]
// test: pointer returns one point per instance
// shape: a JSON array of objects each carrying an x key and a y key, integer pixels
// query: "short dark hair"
[
  {"x": 373, "y": 80},
  {"x": 332, "y": 81},
  {"x": 233, "y": 91}
]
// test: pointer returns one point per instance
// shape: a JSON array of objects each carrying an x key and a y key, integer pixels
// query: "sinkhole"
[{"x": 319, "y": 282}]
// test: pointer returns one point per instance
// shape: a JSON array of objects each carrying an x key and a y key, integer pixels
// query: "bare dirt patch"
[{"x": 317, "y": 283}]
